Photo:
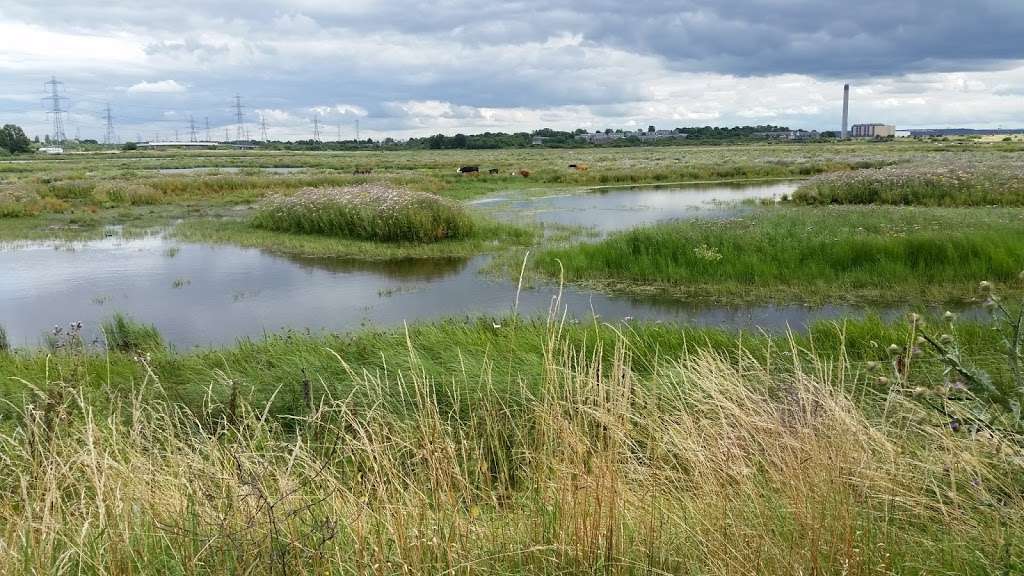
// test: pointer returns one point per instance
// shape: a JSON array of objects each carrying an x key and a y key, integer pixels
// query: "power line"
[
  {"x": 56, "y": 110},
  {"x": 316, "y": 128},
  {"x": 192, "y": 129},
  {"x": 207, "y": 128},
  {"x": 239, "y": 119},
  {"x": 263, "y": 128},
  {"x": 110, "y": 137}
]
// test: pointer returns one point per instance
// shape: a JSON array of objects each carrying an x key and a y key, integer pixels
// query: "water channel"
[{"x": 199, "y": 295}]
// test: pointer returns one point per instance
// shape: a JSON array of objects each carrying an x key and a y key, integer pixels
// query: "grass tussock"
[
  {"x": 977, "y": 183},
  {"x": 125, "y": 335},
  {"x": 5, "y": 343},
  {"x": 702, "y": 463},
  {"x": 366, "y": 212},
  {"x": 808, "y": 254}
]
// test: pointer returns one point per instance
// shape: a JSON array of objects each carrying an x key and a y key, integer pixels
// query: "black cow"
[
  {"x": 492, "y": 171},
  {"x": 469, "y": 170}
]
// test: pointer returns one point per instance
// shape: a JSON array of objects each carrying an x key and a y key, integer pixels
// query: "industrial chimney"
[{"x": 846, "y": 108}]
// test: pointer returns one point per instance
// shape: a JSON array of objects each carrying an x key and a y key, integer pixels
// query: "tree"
[
  {"x": 13, "y": 139},
  {"x": 128, "y": 146}
]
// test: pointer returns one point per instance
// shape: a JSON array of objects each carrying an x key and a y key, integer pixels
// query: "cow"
[
  {"x": 493, "y": 171},
  {"x": 578, "y": 167},
  {"x": 469, "y": 170},
  {"x": 362, "y": 171},
  {"x": 524, "y": 173}
]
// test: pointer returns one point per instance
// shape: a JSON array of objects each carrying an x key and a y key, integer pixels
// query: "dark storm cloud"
[{"x": 817, "y": 37}]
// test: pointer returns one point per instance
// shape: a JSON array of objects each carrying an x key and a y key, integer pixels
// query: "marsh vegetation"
[{"x": 511, "y": 443}]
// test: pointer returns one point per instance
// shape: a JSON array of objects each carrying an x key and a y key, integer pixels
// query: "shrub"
[
  {"x": 125, "y": 335},
  {"x": 127, "y": 193},
  {"x": 20, "y": 201},
  {"x": 366, "y": 212}
]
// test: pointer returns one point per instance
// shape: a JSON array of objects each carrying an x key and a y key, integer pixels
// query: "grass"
[
  {"x": 5, "y": 343},
  {"x": 534, "y": 449},
  {"x": 487, "y": 236},
  {"x": 122, "y": 334},
  {"x": 366, "y": 212},
  {"x": 956, "y": 183},
  {"x": 808, "y": 254}
]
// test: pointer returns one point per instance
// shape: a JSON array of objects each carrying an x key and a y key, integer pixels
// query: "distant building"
[
  {"x": 789, "y": 135},
  {"x": 904, "y": 134},
  {"x": 539, "y": 140},
  {"x": 642, "y": 135},
  {"x": 50, "y": 150},
  {"x": 873, "y": 131}
]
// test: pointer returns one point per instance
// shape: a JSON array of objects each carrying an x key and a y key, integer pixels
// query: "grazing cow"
[
  {"x": 493, "y": 171},
  {"x": 362, "y": 171},
  {"x": 469, "y": 170},
  {"x": 524, "y": 173},
  {"x": 578, "y": 167}
]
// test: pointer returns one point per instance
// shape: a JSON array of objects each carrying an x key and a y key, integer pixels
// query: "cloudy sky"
[{"x": 404, "y": 68}]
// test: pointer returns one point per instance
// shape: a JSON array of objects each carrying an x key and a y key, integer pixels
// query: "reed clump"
[
  {"x": 366, "y": 212},
  {"x": 126, "y": 335}
]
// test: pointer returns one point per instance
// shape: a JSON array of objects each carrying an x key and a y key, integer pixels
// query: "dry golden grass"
[{"x": 710, "y": 466}]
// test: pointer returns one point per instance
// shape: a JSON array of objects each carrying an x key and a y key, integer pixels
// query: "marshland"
[{"x": 752, "y": 358}]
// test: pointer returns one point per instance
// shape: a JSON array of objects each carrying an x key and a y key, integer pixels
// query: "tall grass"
[
  {"x": 5, "y": 343},
  {"x": 125, "y": 335},
  {"x": 366, "y": 212},
  {"x": 709, "y": 464},
  {"x": 810, "y": 253},
  {"x": 958, "y": 183}
]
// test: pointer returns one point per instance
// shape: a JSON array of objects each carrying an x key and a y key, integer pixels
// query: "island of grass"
[
  {"x": 814, "y": 255},
  {"x": 367, "y": 221}
]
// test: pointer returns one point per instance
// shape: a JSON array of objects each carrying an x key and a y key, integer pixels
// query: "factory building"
[{"x": 873, "y": 131}]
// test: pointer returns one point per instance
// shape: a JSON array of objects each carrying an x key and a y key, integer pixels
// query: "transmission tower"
[
  {"x": 239, "y": 119},
  {"x": 263, "y": 128},
  {"x": 56, "y": 110},
  {"x": 192, "y": 129},
  {"x": 357, "y": 129},
  {"x": 110, "y": 137},
  {"x": 227, "y": 138},
  {"x": 176, "y": 135},
  {"x": 316, "y": 128},
  {"x": 207, "y": 128}
]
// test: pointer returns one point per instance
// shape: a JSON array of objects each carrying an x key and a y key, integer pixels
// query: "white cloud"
[{"x": 159, "y": 87}]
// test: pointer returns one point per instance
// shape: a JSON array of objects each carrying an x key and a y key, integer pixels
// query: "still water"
[{"x": 199, "y": 295}]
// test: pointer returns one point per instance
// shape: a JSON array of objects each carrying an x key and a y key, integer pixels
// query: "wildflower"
[
  {"x": 949, "y": 316},
  {"x": 883, "y": 381},
  {"x": 873, "y": 366},
  {"x": 894, "y": 349},
  {"x": 985, "y": 287},
  {"x": 914, "y": 318}
]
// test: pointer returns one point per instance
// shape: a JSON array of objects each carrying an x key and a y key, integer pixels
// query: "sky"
[{"x": 403, "y": 68}]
